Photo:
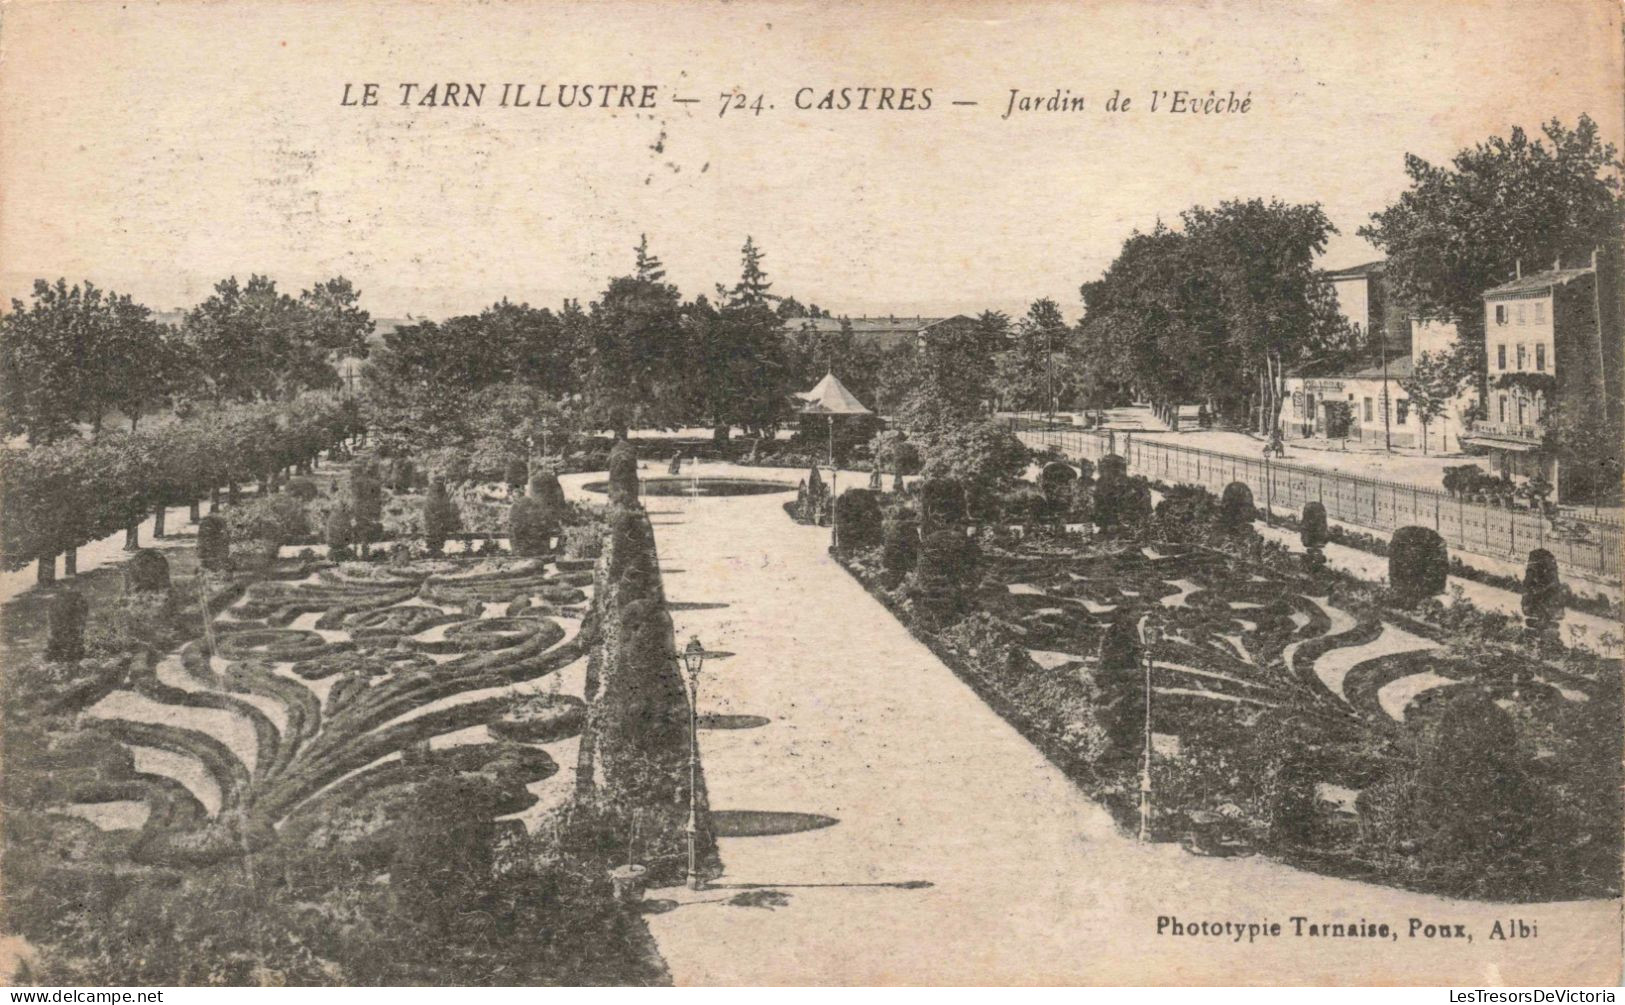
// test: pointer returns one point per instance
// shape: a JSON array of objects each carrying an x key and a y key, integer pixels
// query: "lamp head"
[{"x": 693, "y": 656}]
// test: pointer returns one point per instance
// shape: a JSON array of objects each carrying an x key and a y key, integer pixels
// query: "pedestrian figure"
[{"x": 676, "y": 467}]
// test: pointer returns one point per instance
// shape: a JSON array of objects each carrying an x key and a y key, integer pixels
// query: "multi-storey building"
[{"x": 1551, "y": 340}]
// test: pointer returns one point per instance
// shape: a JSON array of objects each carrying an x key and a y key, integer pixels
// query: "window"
[
  {"x": 1521, "y": 316},
  {"x": 1403, "y": 407},
  {"x": 1501, "y": 400},
  {"x": 1520, "y": 409},
  {"x": 1540, "y": 356},
  {"x": 1500, "y": 314},
  {"x": 1523, "y": 356},
  {"x": 1368, "y": 410},
  {"x": 1501, "y": 356},
  {"x": 1540, "y": 311}
]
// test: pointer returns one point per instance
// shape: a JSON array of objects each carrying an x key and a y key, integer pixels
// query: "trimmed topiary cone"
[
  {"x": 1542, "y": 592},
  {"x": 340, "y": 532},
  {"x": 439, "y": 517},
  {"x": 213, "y": 544},
  {"x": 1314, "y": 534},
  {"x": 1418, "y": 564},
  {"x": 65, "y": 619},
  {"x": 147, "y": 572},
  {"x": 623, "y": 474}
]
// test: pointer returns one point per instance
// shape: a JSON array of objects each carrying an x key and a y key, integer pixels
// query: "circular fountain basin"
[{"x": 700, "y": 487}]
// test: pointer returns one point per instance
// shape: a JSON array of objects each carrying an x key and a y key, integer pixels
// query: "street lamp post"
[
  {"x": 693, "y": 658},
  {"x": 1150, "y": 635}
]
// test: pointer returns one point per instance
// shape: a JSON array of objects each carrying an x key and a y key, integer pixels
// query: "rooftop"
[
  {"x": 1537, "y": 281},
  {"x": 1358, "y": 271}
]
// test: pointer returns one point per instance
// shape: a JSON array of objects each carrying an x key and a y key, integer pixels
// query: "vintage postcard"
[{"x": 784, "y": 493}]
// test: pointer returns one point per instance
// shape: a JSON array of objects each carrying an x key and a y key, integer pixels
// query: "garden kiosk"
[{"x": 829, "y": 397}]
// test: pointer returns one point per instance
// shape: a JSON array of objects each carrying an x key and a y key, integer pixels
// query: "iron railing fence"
[{"x": 1580, "y": 543}]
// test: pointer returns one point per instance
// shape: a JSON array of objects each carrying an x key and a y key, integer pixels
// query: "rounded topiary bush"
[
  {"x": 213, "y": 543},
  {"x": 945, "y": 573},
  {"x": 1056, "y": 481},
  {"x": 858, "y": 519},
  {"x": 1542, "y": 590},
  {"x": 900, "y": 547},
  {"x": 402, "y": 475},
  {"x": 1112, "y": 466},
  {"x": 1236, "y": 509},
  {"x": 1119, "y": 502},
  {"x": 623, "y": 474},
  {"x": 942, "y": 502},
  {"x": 147, "y": 572},
  {"x": 302, "y": 489},
  {"x": 1418, "y": 564},
  {"x": 530, "y": 528},
  {"x": 340, "y": 531},
  {"x": 65, "y": 620},
  {"x": 439, "y": 517}
]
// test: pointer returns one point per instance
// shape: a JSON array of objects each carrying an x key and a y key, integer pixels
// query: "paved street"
[{"x": 957, "y": 853}]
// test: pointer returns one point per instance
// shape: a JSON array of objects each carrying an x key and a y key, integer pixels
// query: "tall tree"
[
  {"x": 1464, "y": 227},
  {"x": 633, "y": 374},
  {"x": 74, "y": 352},
  {"x": 1433, "y": 383}
]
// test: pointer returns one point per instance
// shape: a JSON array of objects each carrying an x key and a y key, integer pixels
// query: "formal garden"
[
  {"x": 334, "y": 729},
  {"x": 1383, "y": 731}
]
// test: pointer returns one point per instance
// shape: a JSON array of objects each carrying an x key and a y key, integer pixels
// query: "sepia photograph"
[{"x": 762, "y": 493}]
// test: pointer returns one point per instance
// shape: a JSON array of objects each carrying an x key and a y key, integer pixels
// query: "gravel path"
[{"x": 958, "y": 853}]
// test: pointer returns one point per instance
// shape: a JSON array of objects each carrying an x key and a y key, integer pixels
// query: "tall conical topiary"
[
  {"x": 213, "y": 543},
  {"x": 1236, "y": 510},
  {"x": 1314, "y": 534},
  {"x": 65, "y": 619},
  {"x": 623, "y": 474},
  {"x": 439, "y": 517},
  {"x": 1542, "y": 593}
]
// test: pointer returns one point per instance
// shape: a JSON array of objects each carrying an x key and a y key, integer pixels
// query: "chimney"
[{"x": 1517, "y": 268}]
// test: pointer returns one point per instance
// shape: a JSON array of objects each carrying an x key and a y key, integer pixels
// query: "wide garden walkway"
[{"x": 894, "y": 830}]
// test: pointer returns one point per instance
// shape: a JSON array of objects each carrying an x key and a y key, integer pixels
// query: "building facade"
[{"x": 1551, "y": 341}]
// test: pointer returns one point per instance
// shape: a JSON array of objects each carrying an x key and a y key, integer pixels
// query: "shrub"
[
  {"x": 65, "y": 619},
  {"x": 366, "y": 496},
  {"x": 402, "y": 475},
  {"x": 892, "y": 452},
  {"x": 942, "y": 503},
  {"x": 900, "y": 547},
  {"x": 302, "y": 489},
  {"x": 1120, "y": 502},
  {"x": 545, "y": 486},
  {"x": 1314, "y": 534},
  {"x": 340, "y": 532},
  {"x": 945, "y": 573},
  {"x": 1024, "y": 504},
  {"x": 1236, "y": 510},
  {"x": 1117, "y": 688},
  {"x": 439, "y": 517},
  {"x": 857, "y": 519},
  {"x": 1472, "y": 791},
  {"x": 277, "y": 520},
  {"x": 983, "y": 457},
  {"x": 1418, "y": 564},
  {"x": 213, "y": 543},
  {"x": 530, "y": 527},
  {"x": 1542, "y": 590},
  {"x": 1056, "y": 480},
  {"x": 583, "y": 541},
  {"x": 1185, "y": 514},
  {"x": 147, "y": 572},
  {"x": 515, "y": 473},
  {"x": 623, "y": 474}
]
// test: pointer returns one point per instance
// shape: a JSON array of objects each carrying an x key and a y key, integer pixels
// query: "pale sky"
[{"x": 158, "y": 148}]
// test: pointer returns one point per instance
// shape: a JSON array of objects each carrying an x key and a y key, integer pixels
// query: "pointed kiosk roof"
[{"x": 830, "y": 397}]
